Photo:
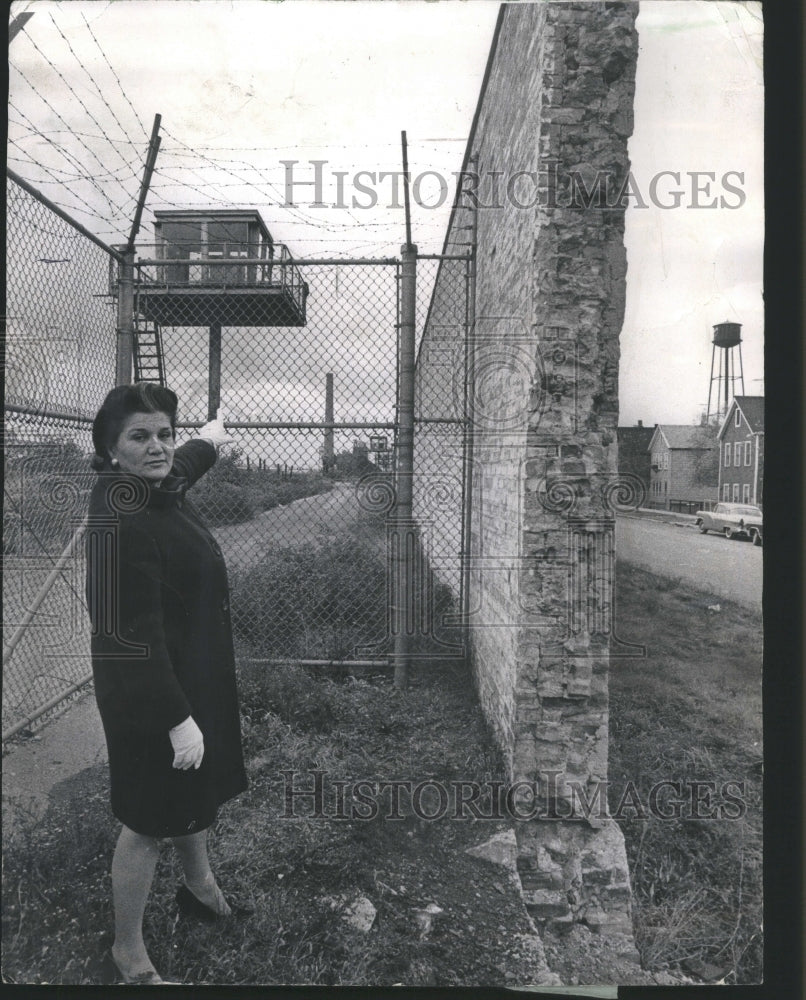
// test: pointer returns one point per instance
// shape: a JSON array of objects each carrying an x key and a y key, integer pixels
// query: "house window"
[
  {"x": 748, "y": 452},
  {"x": 665, "y": 486},
  {"x": 737, "y": 453},
  {"x": 737, "y": 419},
  {"x": 727, "y": 454},
  {"x": 735, "y": 492},
  {"x": 745, "y": 492},
  {"x": 726, "y": 491}
]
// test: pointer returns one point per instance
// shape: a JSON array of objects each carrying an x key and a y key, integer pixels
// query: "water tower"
[{"x": 727, "y": 338}]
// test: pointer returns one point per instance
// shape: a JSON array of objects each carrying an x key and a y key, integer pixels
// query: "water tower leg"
[
  {"x": 727, "y": 379},
  {"x": 214, "y": 372},
  {"x": 741, "y": 371}
]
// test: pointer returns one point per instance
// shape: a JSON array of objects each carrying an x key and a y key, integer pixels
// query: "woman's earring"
[{"x": 114, "y": 463}]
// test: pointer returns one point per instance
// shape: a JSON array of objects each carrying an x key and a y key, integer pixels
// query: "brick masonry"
[{"x": 549, "y": 304}]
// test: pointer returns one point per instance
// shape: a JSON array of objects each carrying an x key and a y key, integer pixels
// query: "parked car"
[{"x": 733, "y": 520}]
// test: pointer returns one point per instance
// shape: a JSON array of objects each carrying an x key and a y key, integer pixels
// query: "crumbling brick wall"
[{"x": 552, "y": 124}]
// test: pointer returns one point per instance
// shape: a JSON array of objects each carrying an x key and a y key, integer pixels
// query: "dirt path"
[{"x": 293, "y": 524}]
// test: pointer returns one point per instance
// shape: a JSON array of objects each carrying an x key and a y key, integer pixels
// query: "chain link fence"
[
  {"x": 442, "y": 429},
  {"x": 59, "y": 351},
  {"x": 302, "y": 360},
  {"x": 302, "y": 363}
]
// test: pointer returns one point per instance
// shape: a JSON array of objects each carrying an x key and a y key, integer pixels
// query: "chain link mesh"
[
  {"x": 59, "y": 365},
  {"x": 440, "y": 408},
  {"x": 307, "y": 386},
  {"x": 301, "y": 359}
]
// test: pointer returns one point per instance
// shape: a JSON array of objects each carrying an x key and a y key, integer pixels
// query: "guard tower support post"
[
  {"x": 328, "y": 453},
  {"x": 214, "y": 372}
]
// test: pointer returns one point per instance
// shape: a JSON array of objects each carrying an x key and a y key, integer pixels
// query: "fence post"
[
  {"x": 468, "y": 406},
  {"x": 125, "y": 329},
  {"x": 403, "y": 544}
]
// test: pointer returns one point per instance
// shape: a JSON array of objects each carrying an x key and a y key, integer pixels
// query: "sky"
[{"x": 243, "y": 86}]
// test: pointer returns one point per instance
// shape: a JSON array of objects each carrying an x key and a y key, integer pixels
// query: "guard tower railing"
[{"x": 242, "y": 269}]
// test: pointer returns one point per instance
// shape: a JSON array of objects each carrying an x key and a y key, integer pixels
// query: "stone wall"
[{"x": 552, "y": 124}]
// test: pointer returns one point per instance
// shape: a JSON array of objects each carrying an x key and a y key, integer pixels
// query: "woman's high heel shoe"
[
  {"x": 192, "y": 906},
  {"x": 113, "y": 975}
]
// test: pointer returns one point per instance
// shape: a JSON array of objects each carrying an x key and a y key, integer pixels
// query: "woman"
[{"x": 162, "y": 657}]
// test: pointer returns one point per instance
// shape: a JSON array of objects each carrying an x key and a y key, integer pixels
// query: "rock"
[
  {"x": 425, "y": 917},
  {"x": 357, "y": 911},
  {"x": 500, "y": 849}
]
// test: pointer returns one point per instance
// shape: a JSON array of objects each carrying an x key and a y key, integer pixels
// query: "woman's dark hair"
[{"x": 119, "y": 405}]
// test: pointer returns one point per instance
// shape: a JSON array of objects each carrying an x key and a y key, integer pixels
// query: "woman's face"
[{"x": 145, "y": 446}]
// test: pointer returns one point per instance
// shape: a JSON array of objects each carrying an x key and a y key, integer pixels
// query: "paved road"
[{"x": 724, "y": 567}]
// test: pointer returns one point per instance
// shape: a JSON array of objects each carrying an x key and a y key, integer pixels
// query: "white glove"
[
  {"x": 188, "y": 744},
  {"x": 214, "y": 431}
]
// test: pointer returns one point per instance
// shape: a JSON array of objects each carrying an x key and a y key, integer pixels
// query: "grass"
[
  {"x": 691, "y": 712},
  {"x": 691, "y": 709},
  {"x": 287, "y": 867}
]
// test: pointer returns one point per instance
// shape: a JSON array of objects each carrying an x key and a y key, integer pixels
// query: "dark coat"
[{"x": 162, "y": 647}]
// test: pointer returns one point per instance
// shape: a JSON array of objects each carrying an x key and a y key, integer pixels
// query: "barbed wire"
[
  {"x": 84, "y": 174},
  {"x": 114, "y": 74},
  {"x": 69, "y": 156},
  {"x": 67, "y": 84},
  {"x": 294, "y": 213},
  {"x": 94, "y": 82},
  {"x": 64, "y": 152}
]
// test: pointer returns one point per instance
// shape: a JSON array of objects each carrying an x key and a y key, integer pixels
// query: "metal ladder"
[{"x": 149, "y": 364}]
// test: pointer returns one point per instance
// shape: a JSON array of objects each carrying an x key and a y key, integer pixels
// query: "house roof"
[
  {"x": 685, "y": 436},
  {"x": 752, "y": 408},
  {"x": 635, "y": 433}
]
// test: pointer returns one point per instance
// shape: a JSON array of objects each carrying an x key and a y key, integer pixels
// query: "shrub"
[
  {"x": 327, "y": 597},
  {"x": 223, "y": 503},
  {"x": 317, "y": 600},
  {"x": 232, "y": 494}
]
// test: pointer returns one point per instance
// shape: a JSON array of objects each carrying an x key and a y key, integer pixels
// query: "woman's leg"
[
  {"x": 199, "y": 877},
  {"x": 133, "y": 867}
]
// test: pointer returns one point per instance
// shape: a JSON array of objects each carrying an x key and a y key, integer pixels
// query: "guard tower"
[
  {"x": 211, "y": 268},
  {"x": 727, "y": 338}
]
